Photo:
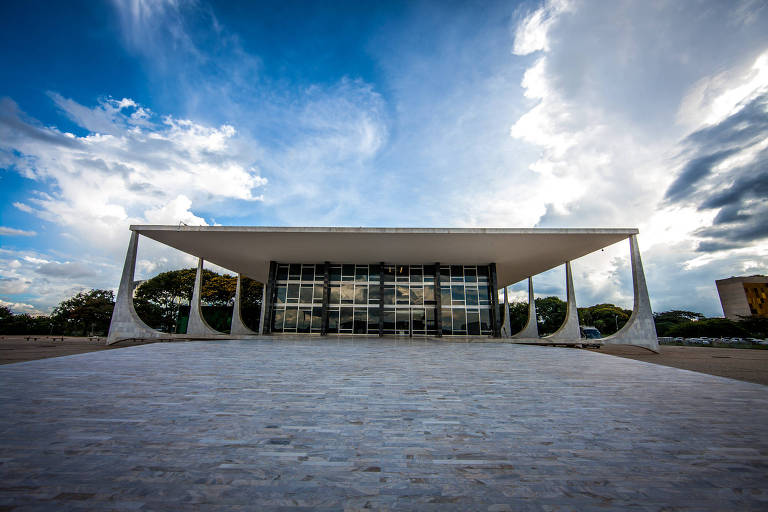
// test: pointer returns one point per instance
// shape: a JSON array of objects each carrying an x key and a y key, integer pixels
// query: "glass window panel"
[
  {"x": 417, "y": 273},
  {"x": 417, "y": 295},
  {"x": 347, "y": 293},
  {"x": 277, "y": 323},
  {"x": 308, "y": 273},
  {"x": 429, "y": 294},
  {"x": 418, "y": 319},
  {"x": 333, "y": 320},
  {"x": 483, "y": 295},
  {"x": 402, "y": 272},
  {"x": 459, "y": 321},
  {"x": 291, "y": 316},
  {"x": 361, "y": 321},
  {"x": 482, "y": 273},
  {"x": 373, "y": 294},
  {"x": 447, "y": 322},
  {"x": 295, "y": 272},
  {"x": 389, "y": 295},
  {"x": 335, "y": 294},
  {"x": 361, "y": 294},
  {"x": 305, "y": 318},
  {"x": 348, "y": 270},
  {"x": 445, "y": 295},
  {"x": 374, "y": 275},
  {"x": 346, "y": 319},
  {"x": 402, "y": 294},
  {"x": 445, "y": 274},
  {"x": 429, "y": 273},
  {"x": 485, "y": 321},
  {"x": 430, "y": 319},
  {"x": 317, "y": 319},
  {"x": 470, "y": 274},
  {"x": 471, "y": 293},
  {"x": 473, "y": 322},
  {"x": 361, "y": 273},
  {"x": 389, "y": 322},
  {"x": 389, "y": 273},
  {"x": 317, "y": 294},
  {"x": 282, "y": 273},
  {"x": 306, "y": 294},
  {"x": 293, "y": 290},
  {"x": 457, "y": 293},
  {"x": 335, "y": 273},
  {"x": 457, "y": 273},
  {"x": 282, "y": 291},
  {"x": 403, "y": 323},
  {"x": 373, "y": 320}
]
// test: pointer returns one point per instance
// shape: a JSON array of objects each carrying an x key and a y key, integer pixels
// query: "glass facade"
[{"x": 387, "y": 299}]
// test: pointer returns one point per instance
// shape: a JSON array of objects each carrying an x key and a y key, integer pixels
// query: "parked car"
[{"x": 590, "y": 333}]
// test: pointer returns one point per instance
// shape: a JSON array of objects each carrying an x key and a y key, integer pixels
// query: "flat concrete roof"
[{"x": 518, "y": 252}]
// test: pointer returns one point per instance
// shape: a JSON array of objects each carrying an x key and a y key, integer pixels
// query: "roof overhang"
[{"x": 518, "y": 253}]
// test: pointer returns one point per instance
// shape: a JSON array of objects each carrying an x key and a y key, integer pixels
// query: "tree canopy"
[{"x": 87, "y": 313}]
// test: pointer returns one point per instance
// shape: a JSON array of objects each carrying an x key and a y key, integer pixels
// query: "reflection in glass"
[
  {"x": 416, "y": 274},
  {"x": 306, "y": 294},
  {"x": 473, "y": 322},
  {"x": 347, "y": 293},
  {"x": 373, "y": 320},
  {"x": 389, "y": 273},
  {"x": 277, "y": 324},
  {"x": 417, "y": 319},
  {"x": 484, "y": 295},
  {"x": 402, "y": 316},
  {"x": 345, "y": 322},
  {"x": 347, "y": 271},
  {"x": 459, "y": 321},
  {"x": 470, "y": 275},
  {"x": 445, "y": 275},
  {"x": 429, "y": 294},
  {"x": 373, "y": 294},
  {"x": 457, "y": 273},
  {"x": 293, "y": 292},
  {"x": 294, "y": 272},
  {"x": 389, "y": 295},
  {"x": 308, "y": 273},
  {"x": 482, "y": 274},
  {"x": 374, "y": 273},
  {"x": 389, "y": 322},
  {"x": 282, "y": 290},
  {"x": 417, "y": 295},
  {"x": 361, "y": 294},
  {"x": 291, "y": 315},
  {"x": 335, "y": 294},
  {"x": 305, "y": 317},
  {"x": 471, "y": 296},
  {"x": 446, "y": 319},
  {"x": 402, "y": 273},
  {"x": 282, "y": 273},
  {"x": 333, "y": 320},
  {"x": 361, "y": 321},
  {"x": 335, "y": 273},
  {"x": 402, "y": 294},
  {"x": 457, "y": 293},
  {"x": 317, "y": 296},
  {"x": 430, "y": 317},
  {"x": 485, "y": 320},
  {"x": 317, "y": 319},
  {"x": 445, "y": 295},
  {"x": 361, "y": 273}
]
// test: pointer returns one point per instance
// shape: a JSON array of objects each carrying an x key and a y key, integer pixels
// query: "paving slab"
[{"x": 360, "y": 424}]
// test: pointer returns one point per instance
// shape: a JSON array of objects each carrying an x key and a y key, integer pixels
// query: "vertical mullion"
[
  {"x": 381, "y": 299},
  {"x": 495, "y": 328},
  {"x": 326, "y": 298},
  {"x": 438, "y": 302}
]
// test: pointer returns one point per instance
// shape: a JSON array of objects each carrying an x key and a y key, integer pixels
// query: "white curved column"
[
  {"x": 531, "y": 329},
  {"x": 505, "y": 326},
  {"x": 263, "y": 308},
  {"x": 197, "y": 326},
  {"x": 569, "y": 331},
  {"x": 125, "y": 323},
  {"x": 640, "y": 329},
  {"x": 238, "y": 326}
]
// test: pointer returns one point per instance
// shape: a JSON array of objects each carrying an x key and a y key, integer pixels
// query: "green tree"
[
  {"x": 250, "y": 302},
  {"x": 709, "y": 327},
  {"x": 607, "y": 318},
  {"x": 86, "y": 313},
  {"x": 518, "y": 316},
  {"x": 551, "y": 314},
  {"x": 668, "y": 320},
  {"x": 157, "y": 300}
]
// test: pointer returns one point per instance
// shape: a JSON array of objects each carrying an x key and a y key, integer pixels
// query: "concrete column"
[
  {"x": 640, "y": 330},
  {"x": 506, "y": 327},
  {"x": 495, "y": 320},
  {"x": 263, "y": 307},
  {"x": 238, "y": 326},
  {"x": 197, "y": 326},
  {"x": 125, "y": 323},
  {"x": 438, "y": 303},
  {"x": 531, "y": 329},
  {"x": 569, "y": 331}
]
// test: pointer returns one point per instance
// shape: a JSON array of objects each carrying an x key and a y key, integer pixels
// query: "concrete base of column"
[
  {"x": 531, "y": 329},
  {"x": 569, "y": 331}
]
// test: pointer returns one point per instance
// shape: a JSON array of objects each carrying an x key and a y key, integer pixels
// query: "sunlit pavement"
[{"x": 369, "y": 423}]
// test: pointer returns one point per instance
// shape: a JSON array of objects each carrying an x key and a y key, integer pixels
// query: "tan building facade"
[{"x": 743, "y": 296}]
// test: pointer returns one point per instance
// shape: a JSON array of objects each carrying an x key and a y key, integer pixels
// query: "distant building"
[{"x": 743, "y": 296}]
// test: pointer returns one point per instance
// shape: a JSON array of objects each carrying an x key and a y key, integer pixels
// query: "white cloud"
[{"x": 6, "y": 231}]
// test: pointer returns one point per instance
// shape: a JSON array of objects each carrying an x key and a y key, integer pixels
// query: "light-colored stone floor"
[{"x": 382, "y": 424}]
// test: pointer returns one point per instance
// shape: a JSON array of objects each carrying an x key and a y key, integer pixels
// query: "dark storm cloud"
[{"x": 740, "y": 194}]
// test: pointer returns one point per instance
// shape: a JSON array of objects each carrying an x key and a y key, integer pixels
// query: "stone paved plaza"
[{"x": 375, "y": 424}]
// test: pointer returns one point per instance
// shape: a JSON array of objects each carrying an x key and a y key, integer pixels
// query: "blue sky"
[{"x": 516, "y": 114}]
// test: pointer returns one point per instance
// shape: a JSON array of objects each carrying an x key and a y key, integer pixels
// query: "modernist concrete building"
[
  {"x": 743, "y": 296},
  {"x": 386, "y": 281}
]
